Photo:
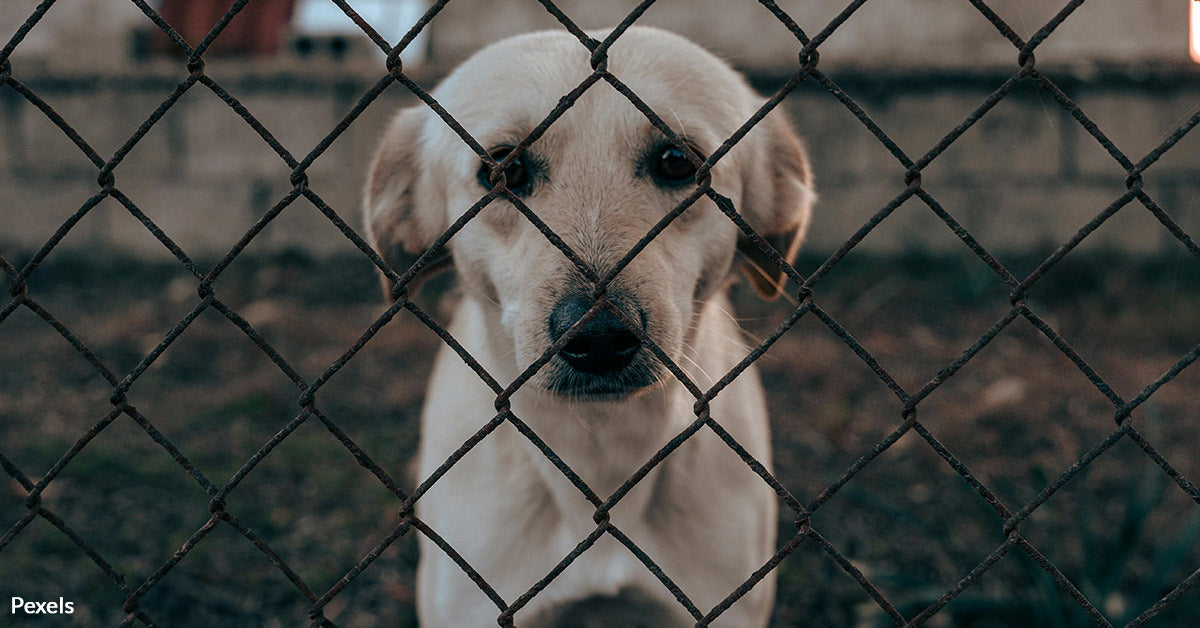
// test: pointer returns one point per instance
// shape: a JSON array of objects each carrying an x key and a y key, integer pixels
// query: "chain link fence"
[{"x": 806, "y": 289}]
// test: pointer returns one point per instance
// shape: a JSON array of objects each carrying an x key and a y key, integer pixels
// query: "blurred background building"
[{"x": 1023, "y": 179}]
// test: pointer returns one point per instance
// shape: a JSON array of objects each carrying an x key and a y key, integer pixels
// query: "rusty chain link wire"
[{"x": 1008, "y": 517}]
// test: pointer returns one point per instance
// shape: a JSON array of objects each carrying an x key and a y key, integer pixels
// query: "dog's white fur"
[{"x": 701, "y": 515}]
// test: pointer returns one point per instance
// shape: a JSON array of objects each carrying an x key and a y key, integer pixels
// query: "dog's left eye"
[
  {"x": 673, "y": 167},
  {"x": 516, "y": 176}
]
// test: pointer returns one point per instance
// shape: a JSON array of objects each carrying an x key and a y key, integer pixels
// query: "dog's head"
[{"x": 600, "y": 178}]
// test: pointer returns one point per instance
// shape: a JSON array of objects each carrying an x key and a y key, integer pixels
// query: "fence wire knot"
[
  {"x": 912, "y": 178},
  {"x": 599, "y": 58},
  {"x": 106, "y": 180},
  {"x": 394, "y": 64},
  {"x": 808, "y": 59},
  {"x": 19, "y": 289},
  {"x": 1133, "y": 181},
  {"x": 299, "y": 180}
]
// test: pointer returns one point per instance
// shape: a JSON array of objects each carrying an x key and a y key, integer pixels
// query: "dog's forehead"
[{"x": 512, "y": 85}]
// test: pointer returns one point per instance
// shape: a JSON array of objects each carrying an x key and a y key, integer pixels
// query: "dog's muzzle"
[
  {"x": 602, "y": 346},
  {"x": 603, "y": 357}
]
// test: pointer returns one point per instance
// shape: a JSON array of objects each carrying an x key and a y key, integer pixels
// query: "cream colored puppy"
[{"x": 600, "y": 178}]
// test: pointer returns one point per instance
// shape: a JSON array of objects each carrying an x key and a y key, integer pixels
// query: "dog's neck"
[{"x": 605, "y": 441}]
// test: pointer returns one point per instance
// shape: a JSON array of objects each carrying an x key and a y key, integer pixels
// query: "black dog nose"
[{"x": 603, "y": 345}]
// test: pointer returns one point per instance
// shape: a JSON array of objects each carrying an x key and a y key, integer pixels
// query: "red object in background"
[{"x": 258, "y": 29}]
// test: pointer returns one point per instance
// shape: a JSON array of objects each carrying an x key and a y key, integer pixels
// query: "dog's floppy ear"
[
  {"x": 777, "y": 203},
  {"x": 397, "y": 226}
]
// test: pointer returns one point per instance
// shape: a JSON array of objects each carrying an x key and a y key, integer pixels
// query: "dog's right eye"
[
  {"x": 672, "y": 167},
  {"x": 516, "y": 175}
]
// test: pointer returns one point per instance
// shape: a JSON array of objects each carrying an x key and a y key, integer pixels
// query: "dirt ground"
[{"x": 1017, "y": 415}]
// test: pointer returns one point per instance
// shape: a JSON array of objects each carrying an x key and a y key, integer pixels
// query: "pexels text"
[{"x": 21, "y": 606}]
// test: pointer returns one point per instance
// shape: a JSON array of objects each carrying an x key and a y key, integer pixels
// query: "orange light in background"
[{"x": 1195, "y": 31}]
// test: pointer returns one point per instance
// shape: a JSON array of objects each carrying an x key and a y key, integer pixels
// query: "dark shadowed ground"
[{"x": 1017, "y": 415}]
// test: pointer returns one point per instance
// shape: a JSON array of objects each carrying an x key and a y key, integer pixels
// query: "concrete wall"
[
  {"x": 84, "y": 34},
  {"x": 1024, "y": 178},
  {"x": 935, "y": 33}
]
